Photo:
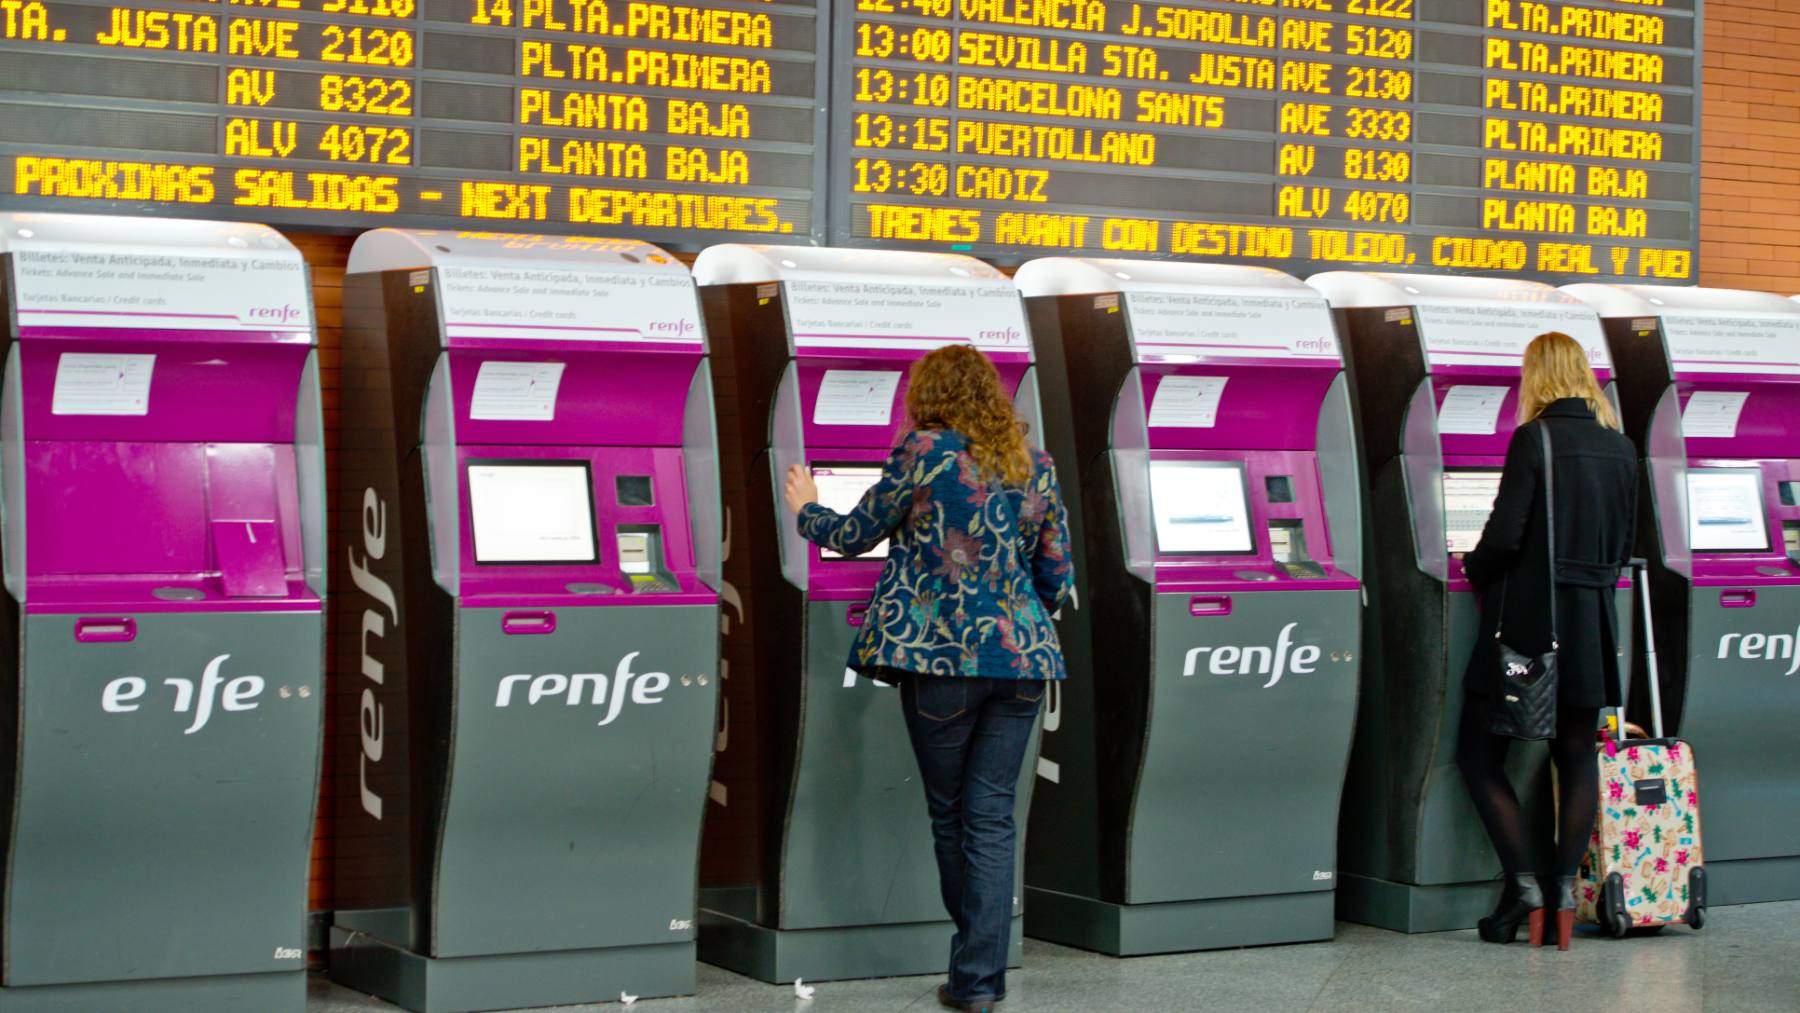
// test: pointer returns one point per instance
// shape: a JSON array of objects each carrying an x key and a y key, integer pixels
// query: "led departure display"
[
  {"x": 1551, "y": 139},
  {"x": 1492, "y": 136},
  {"x": 683, "y": 122}
]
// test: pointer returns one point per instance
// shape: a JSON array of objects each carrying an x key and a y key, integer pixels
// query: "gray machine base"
[
  {"x": 231, "y": 993},
  {"x": 508, "y": 980},
  {"x": 1408, "y": 907},
  {"x": 838, "y": 953},
  {"x": 1136, "y": 930},
  {"x": 1752, "y": 880}
]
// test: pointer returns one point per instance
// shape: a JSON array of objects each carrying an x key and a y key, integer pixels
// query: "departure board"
[
  {"x": 680, "y": 122},
  {"x": 1552, "y": 140}
]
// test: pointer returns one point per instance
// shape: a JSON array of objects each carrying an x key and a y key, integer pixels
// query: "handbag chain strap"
[{"x": 1549, "y": 536}]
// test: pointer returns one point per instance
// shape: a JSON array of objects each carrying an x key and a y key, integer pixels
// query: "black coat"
[{"x": 1596, "y": 512}]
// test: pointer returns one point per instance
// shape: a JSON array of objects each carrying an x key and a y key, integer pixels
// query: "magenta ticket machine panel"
[
  {"x": 1200, "y": 420},
  {"x": 1709, "y": 380},
  {"x": 1435, "y": 365},
  {"x": 819, "y": 862},
  {"x": 527, "y": 647},
  {"x": 161, "y": 679}
]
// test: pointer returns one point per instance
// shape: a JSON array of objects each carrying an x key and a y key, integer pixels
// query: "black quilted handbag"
[{"x": 1525, "y": 707}]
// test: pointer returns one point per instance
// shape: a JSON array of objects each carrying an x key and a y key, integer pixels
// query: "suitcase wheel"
[
  {"x": 1696, "y": 918},
  {"x": 1611, "y": 915},
  {"x": 1696, "y": 912}
]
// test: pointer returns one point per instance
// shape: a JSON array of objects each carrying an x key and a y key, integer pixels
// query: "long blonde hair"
[
  {"x": 1556, "y": 367},
  {"x": 957, "y": 387}
]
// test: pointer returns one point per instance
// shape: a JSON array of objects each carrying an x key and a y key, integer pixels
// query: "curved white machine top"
[
  {"x": 742, "y": 264},
  {"x": 1357, "y": 289},
  {"x": 406, "y": 249},
  {"x": 1472, "y": 321},
  {"x": 1666, "y": 300},
  {"x": 155, "y": 274},
  {"x": 1095, "y": 275}
]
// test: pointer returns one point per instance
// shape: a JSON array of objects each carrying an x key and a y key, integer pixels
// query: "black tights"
[{"x": 1481, "y": 755}]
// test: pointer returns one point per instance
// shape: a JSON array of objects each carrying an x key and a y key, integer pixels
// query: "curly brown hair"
[{"x": 957, "y": 387}]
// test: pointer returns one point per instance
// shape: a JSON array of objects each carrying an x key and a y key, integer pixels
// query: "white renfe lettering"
[
  {"x": 374, "y": 532},
  {"x": 118, "y": 695},
  {"x": 1764, "y": 647},
  {"x": 550, "y": 684},
  {"x": 503, "y": 696},
  {"x": 241, "y": 693},
  {"x": 1274, "y": 662}
]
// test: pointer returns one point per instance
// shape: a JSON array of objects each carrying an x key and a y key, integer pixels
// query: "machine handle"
[
  {"x": 517, "y": 623},
  {"x": 105, "y": 631},
  {"x": 1737, "y": 598},
  {"x": 1209, "y": 605},
  {"x": 856, "y": 615}
]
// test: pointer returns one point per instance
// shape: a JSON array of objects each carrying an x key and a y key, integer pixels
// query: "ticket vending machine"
[
  {"x": 162, "y": 487},
  {"x": 1709, "y": 380},
  {"x": 817, "y": 344},
  {"x": 525, "y": 654},
  {"x": 1203, "y": 414},
  {"x": 1434, "y": 365}
]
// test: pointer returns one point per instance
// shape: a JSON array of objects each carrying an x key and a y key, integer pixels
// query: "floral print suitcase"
[{"x": 1644, "y": 863}]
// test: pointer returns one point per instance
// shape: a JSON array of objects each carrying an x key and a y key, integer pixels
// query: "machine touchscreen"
[
  {"x": 1468, "y": 499},
  {"x": 532, "y": 512},
  {"x": 1200, "y": 508},
  {"x": 1725, "y": 510},
  {"x": 841, "y": 487}
]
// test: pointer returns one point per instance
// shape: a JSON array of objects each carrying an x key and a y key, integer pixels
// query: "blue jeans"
[{"x": 970, "y": 736}]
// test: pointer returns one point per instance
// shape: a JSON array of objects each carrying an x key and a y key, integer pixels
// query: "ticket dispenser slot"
[
  {"x": 817, "y": 345},
  {"x": 537, "y": 484},
  {"x": 1208, "y": 457},
  {"x": 1436, "y": 364},
  {"x": 1710, "y": 390},
  {"x": 163, "y": 488}
]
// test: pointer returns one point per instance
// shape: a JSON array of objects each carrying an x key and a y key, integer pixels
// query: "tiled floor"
[{"x": 1748, "y": 959}]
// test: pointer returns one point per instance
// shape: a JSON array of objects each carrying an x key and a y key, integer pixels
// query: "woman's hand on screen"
[{"x": 799, "y": 489}]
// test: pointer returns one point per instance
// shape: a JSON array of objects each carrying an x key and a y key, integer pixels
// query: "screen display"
[
  {"x": 527, "y": 512},
  {"x": 1554, "y": 139},
  {"x": 841, "y": 488},
  {"x": 1200, "y": 507},
  {"x": 1468, "y": 499},
  {"x": 1725, "y": 510},
  {"x": 688, "y": 122}
]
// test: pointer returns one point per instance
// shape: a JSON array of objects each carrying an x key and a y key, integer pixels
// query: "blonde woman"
[
  {"x": 1595, "y": 496},
  {"x": 961, "y": 621}
]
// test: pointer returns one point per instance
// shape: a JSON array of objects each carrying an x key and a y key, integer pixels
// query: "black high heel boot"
[
  {"x": 1523, "y": 901},
  {"x": 1565, "y": 911}
]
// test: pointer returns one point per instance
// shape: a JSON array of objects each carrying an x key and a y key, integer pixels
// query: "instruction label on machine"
[
  {"x": 494, "y": 301},
  {"x": 856, "y": 397},
  {"x": 88, "y": 384},
  {"x": 1713, "y": 413},
  {"x": 516, "y": 391},
  {"x": 1187, "y": 402},
  {"x": 1471, "y": 410}
]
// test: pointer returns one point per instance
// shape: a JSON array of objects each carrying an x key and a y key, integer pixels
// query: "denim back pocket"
[{"x": 939, "y": 698}]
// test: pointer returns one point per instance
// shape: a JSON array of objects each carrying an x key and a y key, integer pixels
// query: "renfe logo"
[
  {"x": 1764, "y": 647},
  {"x": 120, "y": 696},
  {"x": 280, "y": 314},
  {"x": 374, "y": 624},
  {"x": 646, "y": 691},
  {"x": 679, "y": 328},
  {"x": 1004, "y": 335},
  {"x": 1273, "y": 662}
]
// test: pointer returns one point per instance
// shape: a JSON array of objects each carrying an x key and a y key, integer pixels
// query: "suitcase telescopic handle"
[{"x": 1640, "y": 584}]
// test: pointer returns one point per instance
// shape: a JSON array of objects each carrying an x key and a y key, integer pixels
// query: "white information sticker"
[
  {"x": 1471, "y": 410},
  {"x": 516, "y": 391},
  {"x": 89, "y": 384},
  {"x": 856, "y": 397},
  {"x": 1187, "y": 402},
  {"x": 1713, "y": 413}
]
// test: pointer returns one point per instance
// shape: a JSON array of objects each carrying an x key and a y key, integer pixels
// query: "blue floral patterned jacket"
[{"x": 974, "y": 568}]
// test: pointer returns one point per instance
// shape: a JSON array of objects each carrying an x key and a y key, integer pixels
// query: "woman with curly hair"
[{"x": 979, "y": 561}]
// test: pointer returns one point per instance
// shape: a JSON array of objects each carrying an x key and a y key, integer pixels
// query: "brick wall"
[{"x": 1750, "y": 146}]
